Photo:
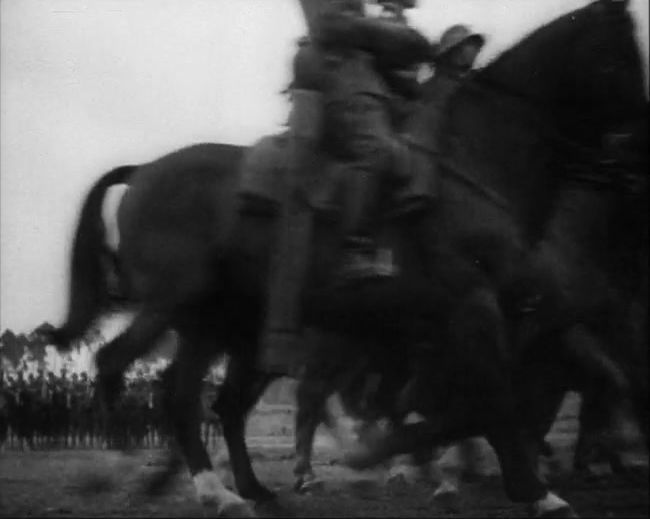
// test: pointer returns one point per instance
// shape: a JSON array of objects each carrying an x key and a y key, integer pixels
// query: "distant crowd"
[{"x": 49, "y": 411}]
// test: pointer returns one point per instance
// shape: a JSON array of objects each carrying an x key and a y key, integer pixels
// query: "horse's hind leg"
[
  {"x": 114, "y": 358},
  {"x": 311, "y": 401},
  {"x": 240, "y": 391},
  {"x": 322, "y": 376},
  {"x": 197, "y": 349}
]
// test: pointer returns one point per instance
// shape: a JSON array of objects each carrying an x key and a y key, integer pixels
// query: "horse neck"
[
  {"x": 534, "y": 68},
  {"x": 502, "y": 142}
]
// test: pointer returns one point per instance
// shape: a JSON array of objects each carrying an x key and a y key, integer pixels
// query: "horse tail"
[{"x": 88, "y": 286}]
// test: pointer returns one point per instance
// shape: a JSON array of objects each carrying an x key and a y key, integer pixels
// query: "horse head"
[
  {"x": 610, "y": 84},
  {"x": 584, "y": 69}
]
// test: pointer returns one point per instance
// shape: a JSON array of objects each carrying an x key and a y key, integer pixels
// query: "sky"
[{"x": 86, "y": 86}]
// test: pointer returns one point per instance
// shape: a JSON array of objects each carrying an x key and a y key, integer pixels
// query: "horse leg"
[
  {"x": 413, "y": 466},
  {"x": 521, "y": 481},
  {"x": 598, "y": 442},
  {"x": 422, "y": 459},
  {"x": 193, "y": 358},
  {"x": 160, "y": 480},
  {"x": 114, "y": 358},
  {"x": 241, "y": 389},
  {"x": 584, "y": 448},
  {"x": 456, "y": 464},
  {"x": 479, "y": 341},
  {"x": 449, "y": 470},
  {"x": 311, "y": 400},
  {"x": 516, "y": 446}
]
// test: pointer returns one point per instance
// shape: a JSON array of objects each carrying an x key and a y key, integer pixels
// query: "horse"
[
  {"x": 484, "y": 82},
  {"x": 195, "y": 264},
  {"x": 586, "y": 286},
  {"x": 368, "y": 387}
]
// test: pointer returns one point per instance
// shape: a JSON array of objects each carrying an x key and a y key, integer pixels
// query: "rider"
[
  {"x": 453, "y": 61},
  {"x": 454, "y": 58},
  {"x": 365, "y": 63},
  {"x": 361, "y": 65},
  {"x": 457, "y": 51}
]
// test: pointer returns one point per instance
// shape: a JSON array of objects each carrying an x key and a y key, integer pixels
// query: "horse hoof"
[
  {"x": 241, "y": 509},
  {"x": 551, "y": 506},
  {"x": 403, "y": 475},
  {"x": 307, "y": 484},
  {"x": 446, "y": 498}
]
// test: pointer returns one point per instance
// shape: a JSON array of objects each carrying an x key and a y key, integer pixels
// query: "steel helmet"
[{"x": 455, "y": 36}]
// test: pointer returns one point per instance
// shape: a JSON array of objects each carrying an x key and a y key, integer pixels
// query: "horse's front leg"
[
  {"x": 481, "y": 338},
  {"x": 520, "y": 477},
  {"x": 240, "y": 391},
  {"x": 183, "y": 397},
  {"x": 311, "y": 400}
]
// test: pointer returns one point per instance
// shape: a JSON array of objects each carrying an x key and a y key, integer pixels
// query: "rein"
[
  {"x": 488, "y": 193},
  {"x": 588, "y": 163}
]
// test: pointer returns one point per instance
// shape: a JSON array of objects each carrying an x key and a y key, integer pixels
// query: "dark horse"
[{"x": 532, "y": 118}]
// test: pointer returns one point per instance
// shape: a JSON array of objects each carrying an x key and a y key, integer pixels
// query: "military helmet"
[
  {"x": 404, "y": 4},
  {"x": 454, "y": 36},
  {"x": 307, "y": 67}
]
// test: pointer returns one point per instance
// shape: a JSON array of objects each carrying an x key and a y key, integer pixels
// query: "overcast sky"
[{"x": 89, "y": 85}]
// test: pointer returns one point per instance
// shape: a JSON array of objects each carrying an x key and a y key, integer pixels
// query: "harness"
[
  {"x": 585, "y": 158},
  {"x": 450, "y": 168}
]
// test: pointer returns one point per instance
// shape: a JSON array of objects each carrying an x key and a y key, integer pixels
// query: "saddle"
[{"x": 320, "y": 179}]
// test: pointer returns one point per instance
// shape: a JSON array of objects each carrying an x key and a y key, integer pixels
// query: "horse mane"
[
  {"x": 504, "y": 125},
  {"x": 558, "y": 35}
]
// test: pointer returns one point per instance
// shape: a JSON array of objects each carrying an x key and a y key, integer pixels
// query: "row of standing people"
[{"x": 48, "y": 411}]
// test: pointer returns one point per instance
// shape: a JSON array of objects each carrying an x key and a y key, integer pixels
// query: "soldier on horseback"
[
  {"x": 456, "y": 52},
  {"x": 362, "y": 69},
  {"x": 454, "y": 58},
  {"x": 366, "y": 64}
]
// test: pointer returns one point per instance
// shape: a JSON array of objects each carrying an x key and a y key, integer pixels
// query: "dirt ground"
[
  {"x": 105, "y": 483},
  {"x": 57, "y": 484}
]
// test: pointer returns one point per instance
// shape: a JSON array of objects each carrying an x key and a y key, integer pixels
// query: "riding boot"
[
  {"x": 281, "y": 349},
  {"x": 361, "y": 259}
]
